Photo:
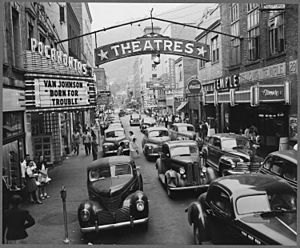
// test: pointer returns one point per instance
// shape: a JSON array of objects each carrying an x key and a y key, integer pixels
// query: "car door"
[
  {"x": 145, "y": 139},
  {"x": 220, "y": 216},
  {"x": 212, "y": 152}
]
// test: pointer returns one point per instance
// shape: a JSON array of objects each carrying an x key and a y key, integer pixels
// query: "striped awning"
[{"x": 181, "y": 106}]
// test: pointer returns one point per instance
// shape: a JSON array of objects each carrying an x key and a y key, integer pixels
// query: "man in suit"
[{"x": 16, "y": 221}]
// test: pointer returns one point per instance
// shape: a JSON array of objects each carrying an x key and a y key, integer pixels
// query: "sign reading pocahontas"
[{"x": 148, "y": 45}]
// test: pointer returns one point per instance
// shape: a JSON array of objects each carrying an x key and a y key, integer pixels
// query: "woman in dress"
[{"x": 134, "y": 149}]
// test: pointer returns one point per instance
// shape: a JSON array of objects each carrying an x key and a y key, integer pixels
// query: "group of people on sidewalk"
[
  {"x": 89, "y": 140},
  {"x": 35, "y": 178}
]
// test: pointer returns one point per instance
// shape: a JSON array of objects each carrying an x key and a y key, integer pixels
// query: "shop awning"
[{"x": 181, "y": 106}]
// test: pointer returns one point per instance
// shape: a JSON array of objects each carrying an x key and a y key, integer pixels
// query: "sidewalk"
[{"x": 49, "y": 227}]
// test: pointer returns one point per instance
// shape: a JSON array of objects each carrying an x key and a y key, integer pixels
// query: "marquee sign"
[{"x": 146, "y": 45}]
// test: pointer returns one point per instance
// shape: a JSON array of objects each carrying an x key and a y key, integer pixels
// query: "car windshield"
[
  {"x": 184, "y": 150},
  {"x": 115, "y": 134},
  {"x": 185, "y": 129},
  {"x": 266, "y": 203},
  {"x": 113, "y": 171},
  {"x": 229, "y": 144},
  {"x": 158, "y": 133}
]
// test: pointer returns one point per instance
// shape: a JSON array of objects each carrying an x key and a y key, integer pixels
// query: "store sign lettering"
[
  {"x": 60, "y": 93},
  {"x": 271, "y": 93},
  {"x": 58, "y": 56},
  {"x": 273, "y": 71},
  {"x": 148, "y": 45}
]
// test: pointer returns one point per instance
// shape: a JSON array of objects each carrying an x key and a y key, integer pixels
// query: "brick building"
[{"x": 264, "y": 93}]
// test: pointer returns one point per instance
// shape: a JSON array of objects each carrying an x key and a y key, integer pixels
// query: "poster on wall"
[{"x": 293, "y": 127}]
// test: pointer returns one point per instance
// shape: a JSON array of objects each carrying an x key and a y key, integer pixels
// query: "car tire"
[
  {"x": 144, "y": 226},
  {"x": 147, "y": 157}
]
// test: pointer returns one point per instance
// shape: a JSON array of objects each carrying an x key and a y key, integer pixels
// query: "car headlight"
[
  {"x": 140, "y": 206},
  {"x": 150, "y": 147},
  {"x": 204, "y": 169},
  {"x": 85, "y": 214},
  {"x": 181, "y": 170}
]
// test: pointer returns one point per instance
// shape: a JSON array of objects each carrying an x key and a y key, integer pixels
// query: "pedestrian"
[
  {"x": 166, "y": 121},
  {"x": 134, "y": 149},
  {"x": 24, "y": 165},
  {"x": 31, "y": 183},
  {"x": 76, "y": 141},
  {"x": 43, "y": 177},
  {"x": 204, "y": 129},
  {"x": 94, "y": 148},
  {"x": 16, "y": 221},
  {"x": 131, "y": 135},
  {"x": 121, "y": 148},
  {"x": 85, "y": 142},
  {"x": 89, "y": 140}
]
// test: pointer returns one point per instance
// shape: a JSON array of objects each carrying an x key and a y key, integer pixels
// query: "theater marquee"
[{"x": 148, "y": 45}]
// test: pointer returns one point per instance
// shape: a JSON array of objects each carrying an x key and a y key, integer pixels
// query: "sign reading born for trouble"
[
  {"x": 147, "y": 45},
  {"x": 60, "y": 93}
]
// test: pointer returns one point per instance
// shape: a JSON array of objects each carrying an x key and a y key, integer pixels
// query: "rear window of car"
[
  {"x": 114, "y": 134},
  {"x": 281, "y": 167},
  {"x": 158, "y": 133},
  {"x": 102, "y": 173}
]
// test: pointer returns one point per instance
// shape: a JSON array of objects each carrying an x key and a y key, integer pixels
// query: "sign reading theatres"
[{"x": 147, "y": 45}]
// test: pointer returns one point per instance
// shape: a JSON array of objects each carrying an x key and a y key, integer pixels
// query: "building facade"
[{"x": 41, "y": 86}]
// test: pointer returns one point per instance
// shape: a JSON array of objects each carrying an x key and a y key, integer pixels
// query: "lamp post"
[{"x": 63, "y": 194}]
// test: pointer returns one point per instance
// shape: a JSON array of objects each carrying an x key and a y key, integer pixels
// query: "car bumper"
[
  {"x": 233, "y": 172},
  {"x": 132, "y": 222},
  {"x": 195, "y": 187},
  {"x": 112, "y": 152}
]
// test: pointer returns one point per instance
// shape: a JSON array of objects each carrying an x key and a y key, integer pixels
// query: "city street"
[{"x": 168, "y": 222}]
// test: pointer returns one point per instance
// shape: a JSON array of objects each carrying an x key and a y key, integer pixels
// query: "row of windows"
[{"x": 253, "y": 42}]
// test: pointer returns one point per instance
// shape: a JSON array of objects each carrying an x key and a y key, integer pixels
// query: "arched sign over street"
[
  {"x": 194, "y": 86},
  {"x": 148, "y": 45}
]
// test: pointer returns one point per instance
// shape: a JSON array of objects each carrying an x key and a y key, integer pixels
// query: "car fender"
[
  {"x": 107, "y": 144},
  {"x": 226, "y": 162},
  {"x": 92, "y": 207},
  {"x": 158, "y": 165}
]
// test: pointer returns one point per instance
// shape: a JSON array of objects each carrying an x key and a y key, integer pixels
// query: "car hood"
[
  {"x": 114, "y": 140},
  {"x": 187, "y": 159},
  {"x": 282, "y": 229},
  {"x": 110, "y": 192},
  {"x": 158, "y": 140}
]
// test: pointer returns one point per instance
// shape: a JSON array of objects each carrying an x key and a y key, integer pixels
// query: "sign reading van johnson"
[
  {"x": 60, "y": 93},
  {"x": 147, "y": 45}
]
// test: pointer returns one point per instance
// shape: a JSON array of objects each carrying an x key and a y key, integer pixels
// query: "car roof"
[
  {"x": 157, "y": 129},
  {"x": 228, "y": 135},
  {"x": 113, "y": 128},
  {"x": 290, "y": 155},
  {"x": 252, "y": 183},
  {"x": 183, "y": 124},
  {"x": 175, "y": 143},
  {"x": 109, "y": 161}
]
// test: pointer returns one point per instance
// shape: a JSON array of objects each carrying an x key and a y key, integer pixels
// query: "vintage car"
[
  {"x": 116, "y": 198},
  {"x": 135, "y": 119},
  {"x": 147, "y": 122},
  {"x": 180, "y": 167},
  {"x": 182, "y": 131},
  {"x": 229, "y": 153},
  {"x": 282, "y": 164},
  {"x": 112, "y": 139},
  {"x": 251, "y": 209},
  {"x": 153, "y": 140}
]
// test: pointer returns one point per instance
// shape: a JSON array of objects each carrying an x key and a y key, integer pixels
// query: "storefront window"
[
  {"x": 13, "y": 154},
  {"x": 12, "y": 124}
]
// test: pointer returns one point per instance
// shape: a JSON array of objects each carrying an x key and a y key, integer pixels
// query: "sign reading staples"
[
  {"x": 194, "y": 86},
  {"x": 147, "y": 45},
  {"x": 60, "y": 93}
]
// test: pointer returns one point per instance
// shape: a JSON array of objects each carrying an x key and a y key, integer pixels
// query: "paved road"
[{"x": 168, "y": 221}]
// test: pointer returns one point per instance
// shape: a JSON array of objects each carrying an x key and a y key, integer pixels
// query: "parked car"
[
  {"x": 179, "y": 167},
  {"x": 153, "y": 140},
  {"x": 116, "y": 198},
  {"x": 147, "y": 122},
  {"x": 282, "y": 164},
  {"x": 134, "y": 119},
  {"x": 182, "y": 131},
  {"x": 112, "y": 139},
  {"x": 251, "y": 209},
  {"x": 229, "y": 153}
]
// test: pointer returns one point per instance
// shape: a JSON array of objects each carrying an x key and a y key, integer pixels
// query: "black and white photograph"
[{"x": 149, "y": 123}]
